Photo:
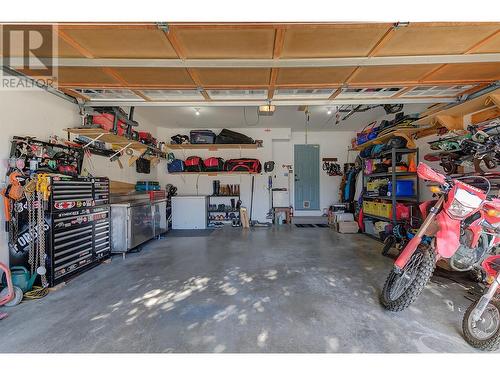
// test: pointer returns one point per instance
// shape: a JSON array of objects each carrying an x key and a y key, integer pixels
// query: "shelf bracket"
[
  {"x": 450, "y": 122},
  {"x": 493, "y": 99},
  {"x": 120, "y": 151},
  {"x": 93, "y": 140}
]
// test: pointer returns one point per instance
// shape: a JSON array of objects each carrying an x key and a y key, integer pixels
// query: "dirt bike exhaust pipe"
[{"x": 412, "y": 245}]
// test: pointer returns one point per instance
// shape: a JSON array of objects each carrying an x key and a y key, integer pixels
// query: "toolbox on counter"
[{"x": 147, "y": 186}]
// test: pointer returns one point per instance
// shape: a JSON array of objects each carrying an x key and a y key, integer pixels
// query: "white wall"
[
  {"x": 40, "y": 114},
  {"x": 278, "y": 146}
]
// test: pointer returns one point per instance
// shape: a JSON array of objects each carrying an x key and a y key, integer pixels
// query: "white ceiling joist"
[
  {"x": 250, "y": 103},
  {"x": 263, "y": 63}
]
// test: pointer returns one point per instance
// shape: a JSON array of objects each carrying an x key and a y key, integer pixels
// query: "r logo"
[{"x": 30, "y": 49}]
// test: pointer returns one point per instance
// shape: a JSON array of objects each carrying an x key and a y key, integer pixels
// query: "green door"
[{"x": 306, "y": 188}]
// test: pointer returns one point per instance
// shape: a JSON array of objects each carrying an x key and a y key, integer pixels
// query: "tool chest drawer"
[
  {"x": 79, "y": 239},
  {"x": 70, "y": 193}
]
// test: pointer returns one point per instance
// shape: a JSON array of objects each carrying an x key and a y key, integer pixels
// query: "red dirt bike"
[
  {"x": 481, "y": 322},
  {"x": 454, "y": 226}
]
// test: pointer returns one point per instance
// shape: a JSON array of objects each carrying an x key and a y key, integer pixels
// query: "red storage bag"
[
  {"x": 194, "y": 164},
  {"x": 243, "y": 165},
  {"x": 214, "y": 164}
]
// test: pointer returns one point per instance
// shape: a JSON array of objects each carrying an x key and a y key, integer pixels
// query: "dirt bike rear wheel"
[
  {"x": 483, "y": 334},
  {"x": 402, "y": 289},
  {"x": 389, "y": 242}
]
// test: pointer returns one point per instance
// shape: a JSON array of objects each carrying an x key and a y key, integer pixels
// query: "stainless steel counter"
[{"x": 135, "y": 220}]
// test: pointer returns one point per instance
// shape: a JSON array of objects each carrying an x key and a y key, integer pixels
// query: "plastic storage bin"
[
  {"x": 404, "y": 188},
  {"x": 385, "y": 210},
  {"x": 370, "y": 227}
]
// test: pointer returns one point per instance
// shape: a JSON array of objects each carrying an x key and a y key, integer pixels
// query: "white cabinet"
[{"x": 189, "y": 212}]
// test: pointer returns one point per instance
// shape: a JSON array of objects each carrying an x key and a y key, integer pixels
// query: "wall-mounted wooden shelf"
[
  {"x": 101, "y": 135},
  {"x": 452, "y": 118},
  {"x": 225, "y": 173},
  {"x": 402, "y": 132},
  {"x": 213, "y": 147}
]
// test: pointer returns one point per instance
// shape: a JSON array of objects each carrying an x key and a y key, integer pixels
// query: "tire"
[
  {"x": 489, "y": 343},
  {"x": 16, "y": 300},
  {"x": 422, "y": 271},
  {"x": 388, "y": 244}
]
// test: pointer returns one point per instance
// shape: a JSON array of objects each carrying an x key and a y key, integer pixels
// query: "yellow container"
[
  {"x": 371, "y": 186},
  {"x": 367, "y": 207},
  {"x": 385, "y": 210}
]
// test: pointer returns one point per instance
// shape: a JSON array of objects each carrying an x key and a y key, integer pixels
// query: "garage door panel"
[
  {"x": 233, "y": 77},
  {"x": 226, "y": 43},
  {"x": 318, "y": 76},
  {"x": 155, "y": 76},
  {"x": 332, "y": 41},
  {"x": 466, "y": 72},
  {"x": 74, "y": 75},
  {"x": 131, "y": 42},
  {"x": 388, "y": 74},
  {"x": 425, "y": 39},
  {"x": 491, "y": 46}
]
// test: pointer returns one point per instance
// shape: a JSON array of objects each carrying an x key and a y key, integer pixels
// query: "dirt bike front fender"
[
  {"x": 446, "y": 232},
  {"x": 447, "y": 235}
]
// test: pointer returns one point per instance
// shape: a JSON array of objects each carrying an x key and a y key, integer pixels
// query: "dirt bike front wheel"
[
  {"x": 483, "y": 334},
  {"x": 401, "y": 289}
]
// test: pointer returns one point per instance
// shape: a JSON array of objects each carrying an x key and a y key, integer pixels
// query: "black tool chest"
[
  {"x": 80, "y": 235},
  {"x": 79, "y": 238},
  {"x": 77, "y": 228}
]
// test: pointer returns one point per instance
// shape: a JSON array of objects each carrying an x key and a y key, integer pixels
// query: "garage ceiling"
[
  {"x": 247, "y": 117},
  {"x": 155, "y": 61}
]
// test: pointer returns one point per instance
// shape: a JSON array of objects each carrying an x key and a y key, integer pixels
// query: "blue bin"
[{"x": 404, "y": 188}]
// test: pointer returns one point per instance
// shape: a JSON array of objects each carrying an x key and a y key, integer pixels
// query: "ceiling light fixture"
[
  {"x": 329, "y": 112},
  {"x": 267, "y": 110},
  {"x": 196, "y": 111}
]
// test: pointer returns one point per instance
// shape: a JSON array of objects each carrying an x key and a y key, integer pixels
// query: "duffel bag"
[
  {"x": 243, "y": 165},
  {"x": 214, "y": 164},
  {"x": 202, "y": 137},
  {"x": 194, "y": 164},
  {"x": 227, "y": 136},
  {"x": 175, "y": 165}
]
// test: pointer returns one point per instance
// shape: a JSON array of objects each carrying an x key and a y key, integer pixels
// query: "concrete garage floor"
[{"x": 264, "y": 290}]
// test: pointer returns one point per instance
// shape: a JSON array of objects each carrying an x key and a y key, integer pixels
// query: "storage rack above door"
[{"x": 393, "y": 177}]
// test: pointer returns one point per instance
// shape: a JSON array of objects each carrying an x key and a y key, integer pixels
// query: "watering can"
[{"x": 21, "y": 278}]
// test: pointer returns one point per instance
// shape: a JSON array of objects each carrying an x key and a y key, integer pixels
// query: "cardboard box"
[
  {"x": 347, "y": 227},
  {"x": 337, "y": 218}
]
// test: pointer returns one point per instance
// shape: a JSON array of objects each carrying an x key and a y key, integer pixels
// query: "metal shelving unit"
[
  {"x": 225, "y": 212},
  {"x": 393, "y": 177}
]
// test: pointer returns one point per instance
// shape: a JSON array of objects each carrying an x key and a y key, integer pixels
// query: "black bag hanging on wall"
[{"x": 143, "y": 166}]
